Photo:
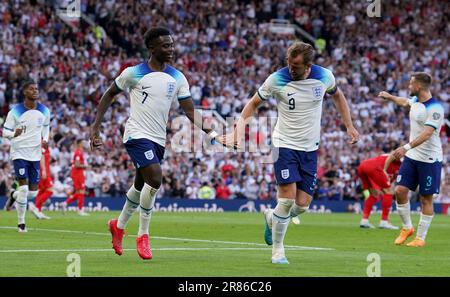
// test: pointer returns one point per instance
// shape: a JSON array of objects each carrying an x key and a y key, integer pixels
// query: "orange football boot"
[
  {"x": 404, "y": 234},
  {"x": 417, "y": 242}
]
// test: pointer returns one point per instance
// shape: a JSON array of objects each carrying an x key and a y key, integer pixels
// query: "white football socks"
[
  {"x": 147, "y": 199},
  {"x": 32, "y": 195},
  {"x": 404, "y": 210},
  {"x": 21, "y": 203},
  {"x": 130, "y": 206},
  {"x": 424, "y": 224},
  {"x": 280, "y": 222}
]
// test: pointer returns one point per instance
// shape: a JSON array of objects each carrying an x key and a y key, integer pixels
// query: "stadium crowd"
[{"x": 226, "y": 52}]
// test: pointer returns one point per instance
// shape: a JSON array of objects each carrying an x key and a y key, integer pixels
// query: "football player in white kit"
[
  {"x": 152, "y": 85},
  {"x": 27, "y": 127},
  {"x": 299, "y": 90},
  {"x": 423, "y": 156}
]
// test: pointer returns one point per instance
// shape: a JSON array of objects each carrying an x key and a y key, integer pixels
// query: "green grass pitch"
[{"x": 217, "y": 244}]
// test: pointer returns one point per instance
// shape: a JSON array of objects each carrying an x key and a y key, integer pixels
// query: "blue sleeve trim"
[
  {"x": 428, "y": 124},
  {"x": 117, "y": 85},
  {"x": 332, "y": 91},
  {"x": 184, "y": 98},
  {"x": 8, "y": 129},
  {"x": 260, "y": 96}
]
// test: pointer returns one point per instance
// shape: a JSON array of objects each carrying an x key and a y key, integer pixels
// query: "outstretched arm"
[
  {"x": 238, "y": 134},
  {"x": 388, "y": 162},
  {"x": 102, "y": 107},
  {"x": 397, "y": 100},
  {"x": 196, "y": 118},
  {"x": 341, "y": 104}
]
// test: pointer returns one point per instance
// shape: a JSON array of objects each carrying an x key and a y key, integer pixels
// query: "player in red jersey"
[
  {"x": 78, "y": 178},
  {"x": 377, "y": 175},
  {"x": 45, "y": 183}
]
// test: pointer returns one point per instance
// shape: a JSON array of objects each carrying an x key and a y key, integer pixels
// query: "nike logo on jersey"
[
  {"x": 290, "y": 94},
  {"x": 148, "y": 87}
]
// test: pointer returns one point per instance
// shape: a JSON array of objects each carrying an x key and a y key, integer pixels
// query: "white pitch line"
[
  {"x": 154, "y": 249},
  {"x": 174, "y": 238}
]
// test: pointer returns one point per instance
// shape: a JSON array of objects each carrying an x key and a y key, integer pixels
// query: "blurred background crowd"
[{"x": 226, "y": 51}]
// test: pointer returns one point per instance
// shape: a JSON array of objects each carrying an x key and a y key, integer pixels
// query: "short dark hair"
[
  {"x": 154, "y": 33},
  {"x": 423, "y": 78},
  {"x": 26, "y": 83},
  {"x": 79, "y": 140},
  {"x": 302, "y": 48}
]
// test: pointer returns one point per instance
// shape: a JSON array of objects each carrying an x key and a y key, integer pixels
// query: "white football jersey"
[
  {"x": 299, "y": 106},
  {"x": 428, "y": 113},
  {"x": 27, "y": 146},
  {"x": 151, "y": 95}
]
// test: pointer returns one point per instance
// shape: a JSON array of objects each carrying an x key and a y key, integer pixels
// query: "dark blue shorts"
[
  {"x": 29, "y": 170},
  {"x": 298, "y": 167},
  {"x": 144, "y": 152},
  {"x": 414, "y": 173}
]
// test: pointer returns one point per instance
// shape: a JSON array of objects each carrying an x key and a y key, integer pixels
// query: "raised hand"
[{"x": 95, "y": 140}]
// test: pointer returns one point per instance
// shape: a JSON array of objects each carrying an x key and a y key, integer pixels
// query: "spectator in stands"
[
  {"x": 178, "y": 191},
  {"x": 206, "y": 192},
  {"x": 222, "y": 191}
]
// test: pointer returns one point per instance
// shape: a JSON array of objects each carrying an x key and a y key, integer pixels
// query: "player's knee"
[
  {"x": 154, "y": 181},
  {"x": 401, "y": 191},
  {"x": 426, "y": 200},
  {"x": 23, "y": 182},
  {"x": 34, "y": 187},
  {"x": 283, "y": 206},
  {"x": 388, "y": 191},
  {"x": 303, "y": 201},
  {"x": 287, "y": 191}
]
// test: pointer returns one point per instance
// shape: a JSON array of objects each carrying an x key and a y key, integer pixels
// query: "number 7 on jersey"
[{"x": 145, "y": 94}]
